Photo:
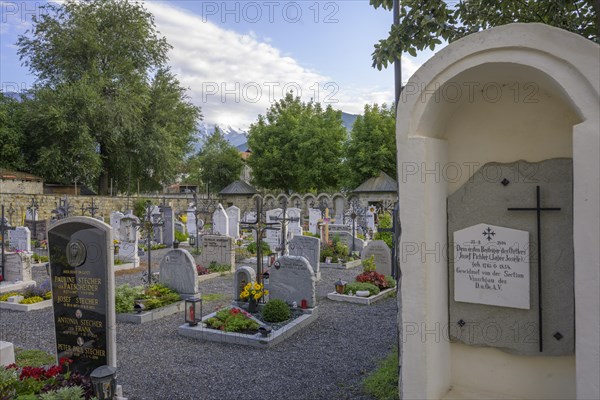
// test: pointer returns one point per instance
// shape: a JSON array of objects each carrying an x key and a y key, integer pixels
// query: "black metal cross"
[
  {"x": 356, "y": 212},
  {"x": 204, "y": 207},
  {"x": 92, "y": 209},
  {"x": 4, "y": 228},
  {"x": 395, "y": 231},
  {"x": 63, "y": 208},
  {"x": 259, "y": 226},
  {"x": 538, "y": 209},
  {"x": 148, "y": 224}
]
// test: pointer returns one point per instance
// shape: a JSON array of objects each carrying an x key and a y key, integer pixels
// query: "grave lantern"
[
  {"x": 104, "y": 382},
  {"x": 340, "y": 286},
  {"x": 192, "y": 240},
  {"x": 193, "y": 311},
  {"x": 266, "y": 278}
]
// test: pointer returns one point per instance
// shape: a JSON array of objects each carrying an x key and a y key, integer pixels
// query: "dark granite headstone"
[
  {"x": 485, "y": 199},
  {"x": 81, "y": 265}
]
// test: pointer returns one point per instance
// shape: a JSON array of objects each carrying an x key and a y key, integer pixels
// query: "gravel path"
[{"x": 326, "y": 360}]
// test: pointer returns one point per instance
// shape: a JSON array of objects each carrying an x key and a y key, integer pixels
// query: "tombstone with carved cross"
[{"x": 511, "y": 258}]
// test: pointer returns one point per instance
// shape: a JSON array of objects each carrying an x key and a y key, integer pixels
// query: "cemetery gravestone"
[
  {"x": 157, "y": 218},
  {"x": 218, "y": 249},
  {"x": 493, "y": 269},
  {"x": 115, "y": 223},
  {"x": 274, "y": 235},
  {"x": 347, "y": 239},
  {"x": 292, "y": 279},
  {"x": 382, "y": 256},
  {"x": 39, "y": 227},
  {"x": 169, "y": 227},
  {"x": 192, "y": 229},
  {"x": 295, "y": 226},
  {"x": 18, "y": 267},
  {"x": 220, "y": 221},
  {"x": 83, "y": 294},
  {"x": 309, "y": 248},
  {"x": 314, "y": 215},
  {"x": 128, "y": 245},
  {"x": 178, "y": 272},
  {"x": 233, "y": 214},
  {"x": 249, "y": 217},
  {"x": 20, "y": 239},
  {"x": 241, "y": 277}
]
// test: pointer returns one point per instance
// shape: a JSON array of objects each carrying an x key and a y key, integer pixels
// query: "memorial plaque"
[
  {"x": 491, "y": 266},
  {"x": 382, "y": 256},
  {"x": 81, "y": 260}
]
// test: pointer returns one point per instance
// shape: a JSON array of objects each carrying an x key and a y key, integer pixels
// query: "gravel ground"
[{"x": 326, "y": 360}]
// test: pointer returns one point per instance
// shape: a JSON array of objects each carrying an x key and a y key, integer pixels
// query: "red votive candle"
[{"x": 304, "y": 304}]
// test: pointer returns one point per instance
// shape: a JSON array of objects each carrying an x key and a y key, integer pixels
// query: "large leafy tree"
[
  {"x": 372, "y": 145},
  {"x": 12, "y": 137},
  {"x": 105, "y": 105},
  {"x": 218, "y": 163},
  {"x": 423, "y": 23},
  {"x": 297, "y": 146}
]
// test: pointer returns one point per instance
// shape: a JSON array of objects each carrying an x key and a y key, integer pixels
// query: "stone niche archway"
[{"x": 517, "y": 92}]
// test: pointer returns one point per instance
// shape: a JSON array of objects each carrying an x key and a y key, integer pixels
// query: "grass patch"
[
  {"x": 33, "y": 358},
  {"x": 383, "y": 382},
  {"x": 213, "y": 297}
]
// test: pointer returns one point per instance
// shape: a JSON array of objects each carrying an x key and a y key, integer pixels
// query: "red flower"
[
  {"x": 53, "y": 371},
  {"x": 32, "y": 372},
  {"x": 65, "y": 360},
  {"x": 12, "y": 366}
]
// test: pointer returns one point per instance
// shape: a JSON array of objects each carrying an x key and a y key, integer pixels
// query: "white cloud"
[{"x": 234, "y": 77}]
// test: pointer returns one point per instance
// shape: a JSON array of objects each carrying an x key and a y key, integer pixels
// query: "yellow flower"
[
  {"x": 257, "y": 296},
  {"x": 266, "y": 292},
  {"x": 256, "y": 286},
  {"x": 253, "y": 292},
  {"x": 244, "y": 294},
  {"x": 248, "y": 286}
]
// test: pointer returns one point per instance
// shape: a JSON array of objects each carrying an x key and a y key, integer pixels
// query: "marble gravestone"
[
  {"x": 347, "y": 239},
  {"x": 309, "y": 248},
  {"x": 157, "y": 216},
  {"x": 382, "y": 256},
  {"x": 233, "y": 214},
  {"x": 191, "y": 222},
  {"x": 18, "y": 268},
  {"x": 218, "y": 249},
  {"x": 83, "y": 292},
  {"x": 292, "y": 279},
  {"x": 314, "y": 215},
  {"x": 250, "y": 217},
  {"x": 294, "y": 228},
  {"x": 178, "y": 272},
  {"x": 168, "y": 235},
  {"x": 493, "y": 266},
  {"x": 128, "y": 245},
  {"x": 241, "y": 277},
  {"x": 220, "y": 221},
  {"x": 20, "y": 239},
  {"x": 115, "y": 223},
  {"x": 273, "y": 236}
]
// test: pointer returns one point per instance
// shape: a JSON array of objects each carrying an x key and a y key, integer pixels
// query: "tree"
[
  {"x": 219, "y": 162},
  {"x": 372, "y": 145},
  {"x": 297, "y": 146},
  {"x": 105, "y": 104},
  {"x": 12, "y": 137},
  {"x": 424, "y": 22}
]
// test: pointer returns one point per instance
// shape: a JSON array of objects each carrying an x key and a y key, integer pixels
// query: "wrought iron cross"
[
  {"x": 92, "y": 209},
  {"x": 259, "y": 225},
  {"x": 4, "y": 228},
  {"x": 33, "y": 208},
  {"x": 63, "y": 208},
  {"x": 356, "y": 212},
  {"x": 203, "y": 207},
  {"x": 284, "y": 219},
  {"x": 148, "y": 224},
  {"x": 538, "y": 209}
]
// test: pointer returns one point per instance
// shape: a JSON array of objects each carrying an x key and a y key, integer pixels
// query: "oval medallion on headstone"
[{"x": 76, "y": 253}]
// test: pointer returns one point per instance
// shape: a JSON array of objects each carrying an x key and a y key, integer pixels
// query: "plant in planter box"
[
  {"x": 233, "y": 320},
  {"x": 373, "y": 277},
  {"x": 356, "y": 286},
  {"x": 276, "y": 311}
]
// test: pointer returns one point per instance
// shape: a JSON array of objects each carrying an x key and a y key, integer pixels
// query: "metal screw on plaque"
[
  {"x": 461, "y": 323},
  {"x": 505, "y": 182},
  {"x": 558, "y": 336}
]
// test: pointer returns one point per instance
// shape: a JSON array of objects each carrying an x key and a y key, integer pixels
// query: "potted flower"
[
  {"x": 253, "y": 292},
  {"x": 116, "y": 246}
]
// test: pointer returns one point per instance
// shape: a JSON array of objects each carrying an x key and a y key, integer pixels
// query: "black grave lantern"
[
  {"x": 193, "y": 311},
  {"x": 266, "y": 278},
  {"x": 192, "y": 240},
  {"x": 104, "y": 382},
  {"x": 340, "y": 286}
]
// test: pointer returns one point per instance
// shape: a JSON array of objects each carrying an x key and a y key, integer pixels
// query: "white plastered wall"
[{"x": 434, "y": 132}]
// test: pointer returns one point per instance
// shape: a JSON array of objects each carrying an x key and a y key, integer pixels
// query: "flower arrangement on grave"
[
  {"x": 233, "y": 320},
  {"x": 202, "y": 270},
  {"x": 53, "y": 382},
  {"x": 44, "y": 244},
  {"x": 370, "y": 275},
  {"x": 33, "y": 294},
  {"x": 253, "y": 291},
  {"x": 335, "y": 249}
]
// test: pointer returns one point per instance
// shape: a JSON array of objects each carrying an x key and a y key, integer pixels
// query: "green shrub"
[
  {"x": 369, "y": 264},
  {"x": 180, "y": 236},
  {"x": 232, "y": 320},
  {"x": 356, "y": 286},
  {"x": 383, "y": 382},
  {"x": 33, "y": 358},
  {"x": 9, "y": 378},
  {"x": 276, "y": 311},
  {"x": 264, "y": 246},
  {"x": 66, "y": 393},
  {"x": 125, "y": 297},
  {"x": 39, "y": 259},
  {"x": 214, "y": 267},
  {"x": 139, "y": 208},
  {"x": 391, "y": 282},
  {"x": 385, "y": 221}
]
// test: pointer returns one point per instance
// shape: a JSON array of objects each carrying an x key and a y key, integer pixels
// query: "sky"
[{"x": 237, "y": 57}]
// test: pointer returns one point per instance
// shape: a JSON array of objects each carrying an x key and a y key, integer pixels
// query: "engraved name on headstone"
[{"x": 491, "y": 266}]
